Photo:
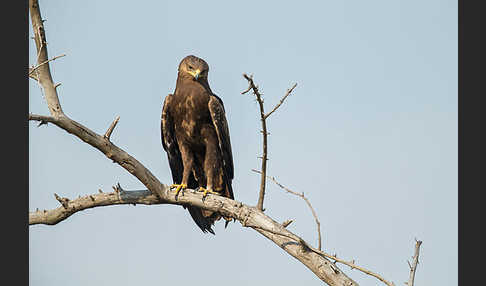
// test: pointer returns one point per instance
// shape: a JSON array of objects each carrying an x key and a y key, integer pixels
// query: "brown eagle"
[{"x": 196, "y": 137}]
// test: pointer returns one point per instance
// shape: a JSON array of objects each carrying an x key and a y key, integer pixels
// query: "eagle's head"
[{"x": 194, "y": 68}]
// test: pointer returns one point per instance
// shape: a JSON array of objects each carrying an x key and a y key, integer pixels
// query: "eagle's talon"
[
  {"x": 179, "y": 187},
  {"x": 206, "y": 191}
]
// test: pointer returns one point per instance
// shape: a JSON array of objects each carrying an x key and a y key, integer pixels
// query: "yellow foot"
[
  {"x": 206, "y": 191},
  {"x": 178, "y": 187}
]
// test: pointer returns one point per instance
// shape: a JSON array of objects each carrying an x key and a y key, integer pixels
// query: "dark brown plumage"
[{"x": 196, "y": 138}]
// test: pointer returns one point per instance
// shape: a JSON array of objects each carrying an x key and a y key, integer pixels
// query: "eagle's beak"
[{"x": 196, "y": 74}]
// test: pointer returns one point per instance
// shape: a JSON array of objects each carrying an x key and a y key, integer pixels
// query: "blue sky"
[{"x": 369, "y": 134}]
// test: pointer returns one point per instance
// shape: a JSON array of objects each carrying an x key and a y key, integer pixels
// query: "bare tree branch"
[
  {"x": 110, "y": 129},
  {"x": 289, "y": 91},
  {"x": 413, "y": 267},
  {"x": 43, "y": 71},
  {"x": 287, "y": 222},
  {"x": 264, "y": 132},
  {"x": 305, "y": 199},
  {"x": 70, "y": 207}
]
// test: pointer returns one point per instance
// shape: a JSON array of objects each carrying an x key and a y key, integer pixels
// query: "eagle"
[{"x": 196, "y": 138}]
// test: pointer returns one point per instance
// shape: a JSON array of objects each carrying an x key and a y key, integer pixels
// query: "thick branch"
[
  {"x": 415, "y": 262},
  {"x": 70, "y": 207},
  {"x": 259, "y": 99},
  {"x": 248, "y": 216},
  {"x": 43, "y": 72}
]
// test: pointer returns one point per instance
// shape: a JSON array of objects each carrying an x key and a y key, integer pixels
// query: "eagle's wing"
[
  {"x": 169, "y": 142},
  {"x": 216, "y": 109}
]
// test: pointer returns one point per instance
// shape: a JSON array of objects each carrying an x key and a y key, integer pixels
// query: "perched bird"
[{"x": 196, "y": 137}]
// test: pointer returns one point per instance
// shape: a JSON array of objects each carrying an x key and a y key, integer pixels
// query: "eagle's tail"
[
  {"x": 202, "y": 221},
  {"x": 205, "y": 219}
]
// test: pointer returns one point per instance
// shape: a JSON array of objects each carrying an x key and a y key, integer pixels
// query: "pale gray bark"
[
  {"x": 70, "y": 207},
  {"x": 415, "y": 262},
  {"x": 42, "y": 73}
]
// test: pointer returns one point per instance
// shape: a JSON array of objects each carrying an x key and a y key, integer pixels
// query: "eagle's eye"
[{"x": 190, "y": 67}]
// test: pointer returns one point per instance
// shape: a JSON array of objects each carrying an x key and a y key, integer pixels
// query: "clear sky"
[{"x": 369, "y": 134}]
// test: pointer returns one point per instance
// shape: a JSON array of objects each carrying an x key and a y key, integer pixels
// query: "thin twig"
[
  {"x": 32, "y": 70},
  {"x": 289, "y": 91},
  {"x": 264, "y": 132},
  {"x": 305, "y": 199},
  {"x": 111, "y": 128},
  {"x": 248, "y": 89},
  {"x": 287, "y": 222},
  {"x": 413, "y": 267}
]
